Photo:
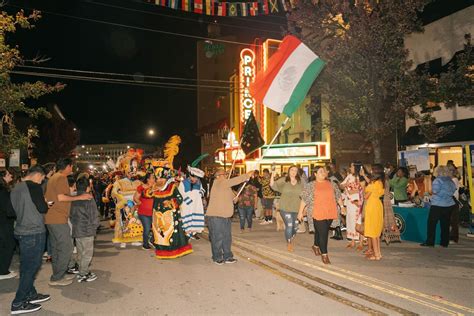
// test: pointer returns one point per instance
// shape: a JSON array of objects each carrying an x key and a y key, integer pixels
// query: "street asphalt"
[{"x": 267, "y": 280}]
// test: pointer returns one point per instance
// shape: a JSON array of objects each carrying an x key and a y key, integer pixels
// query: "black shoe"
[
  {"x": 219, "y": 262},
  {"x": 25, "y": 308},
  {"x": 232, "y": 260},
  {"x": 196, "y": 237},
  {"x": 426, "y": 245},
  {"x": 337, "y": 234},
  {"x": 39, "y": 298}
]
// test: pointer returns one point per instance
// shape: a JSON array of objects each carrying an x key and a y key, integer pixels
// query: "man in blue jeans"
[
  {"x": 219, "y": 213},
  {"x": 29, "y": 205}
]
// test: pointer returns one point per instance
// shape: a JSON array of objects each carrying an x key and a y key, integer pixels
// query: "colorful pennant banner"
[{"x": 224, "y": 8}]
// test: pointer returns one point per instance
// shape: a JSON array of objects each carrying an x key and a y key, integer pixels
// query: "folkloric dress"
[
  {"x": 128, "y": 228},
  {"x": 170, "y": 239},
  {"x": 353, "y": 201},
  {"x": 192, "y": 210}
]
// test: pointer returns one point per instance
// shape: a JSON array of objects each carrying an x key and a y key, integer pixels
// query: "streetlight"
[{"x": 151, "y": 132}]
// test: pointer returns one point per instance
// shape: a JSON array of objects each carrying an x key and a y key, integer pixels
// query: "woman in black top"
[{"x": 7, "y": 219}]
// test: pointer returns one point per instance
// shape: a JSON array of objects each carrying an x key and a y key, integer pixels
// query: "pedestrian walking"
[
  {"x": 7, "y": 221},
  {"x": 59, "y": 194},
  {"x": 442, "y": 204},
  {"x": 321, "y": 198},
  {"x": 290, "y": 188},
  {"x": 145, "y": 207},
  {"x": 219, "y": 214},
  {"x": 29, "y": 204}
]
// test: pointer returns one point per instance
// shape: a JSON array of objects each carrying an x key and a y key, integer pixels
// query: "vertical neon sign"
[{"x": 247, "y": 76}]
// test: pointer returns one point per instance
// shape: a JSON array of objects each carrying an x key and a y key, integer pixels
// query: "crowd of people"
[{"x": 51, "y": 213}]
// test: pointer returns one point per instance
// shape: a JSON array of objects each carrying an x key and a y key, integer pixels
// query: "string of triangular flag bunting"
[{"x": 224, "y": 8}]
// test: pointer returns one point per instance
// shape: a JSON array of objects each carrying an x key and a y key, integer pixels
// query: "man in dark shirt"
[{"x": 29, "y": 205}]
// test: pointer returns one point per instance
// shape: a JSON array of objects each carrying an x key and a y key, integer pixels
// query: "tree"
[
  {"x": 57, "y": 139},
  {"x": 14, "y": 95},
  {"x": 369, "y": 84}
]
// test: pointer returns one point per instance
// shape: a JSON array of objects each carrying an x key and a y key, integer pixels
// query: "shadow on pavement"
[{"x": 97, "y": 292}]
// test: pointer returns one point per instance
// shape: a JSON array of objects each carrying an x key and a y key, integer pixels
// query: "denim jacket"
[{"x": 443, "y": 191}]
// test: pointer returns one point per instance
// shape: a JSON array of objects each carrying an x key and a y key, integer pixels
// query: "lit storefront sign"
[
  {"x": 307, "y": 151},
  {"x": 247, "y": 76},
  {"x": 231, "y": 154}
]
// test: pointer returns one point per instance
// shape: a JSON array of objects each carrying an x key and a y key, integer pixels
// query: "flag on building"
[
  {"x": 290, "y": 74},
  {"x": 198, "y": 6},
  {"x": 210, "y": 7},
  {"x": 254, "y": 8},
  {"x": 243, "y": 9},
  {"x": 265, "y": 8},
  {"x": 251, "y": 138},
  {"x": 163, "y": 3},
  {"x": 173, "y": 4},
  {"x": 187, "y": 5},
  {"x": 232, "y": 9},
  {"x": 222, "y": 9},
  {"x": 274, "y": 6}
]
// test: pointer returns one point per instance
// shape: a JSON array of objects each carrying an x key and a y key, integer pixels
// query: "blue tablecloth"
[{"x": 412, "y": 222}]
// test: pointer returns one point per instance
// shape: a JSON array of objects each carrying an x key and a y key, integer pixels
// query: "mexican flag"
[{"x": 291, "y": 72}]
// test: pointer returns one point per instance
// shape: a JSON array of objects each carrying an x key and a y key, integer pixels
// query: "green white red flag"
[{"x": 290, "y": 74}]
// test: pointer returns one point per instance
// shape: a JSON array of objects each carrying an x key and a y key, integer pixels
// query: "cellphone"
[{"x": 357, "y": 168}]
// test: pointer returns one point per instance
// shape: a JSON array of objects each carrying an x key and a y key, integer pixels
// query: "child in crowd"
[{"x": 84, "y": 220}]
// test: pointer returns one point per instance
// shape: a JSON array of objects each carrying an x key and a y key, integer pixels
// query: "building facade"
[
  {"x": 436, "y": 48},
  {"x": 96, "y": 156}
]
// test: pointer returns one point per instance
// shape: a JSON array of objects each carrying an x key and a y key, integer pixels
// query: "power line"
[
  {"x": 124, "y": 82},
  {"x": 123, "y": 75},
  {"x": 140, "y": 28},
  {"x": 178, "y": 17}
]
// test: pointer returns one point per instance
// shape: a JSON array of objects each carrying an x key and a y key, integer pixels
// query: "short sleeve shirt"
[{"x": 59, "y": 212}]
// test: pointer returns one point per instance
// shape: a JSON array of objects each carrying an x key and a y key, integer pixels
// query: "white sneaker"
[
  {"x": 136, "y": 244},
  {"x": 10, "y": 275},
  {"x": 123, "y": 245}
]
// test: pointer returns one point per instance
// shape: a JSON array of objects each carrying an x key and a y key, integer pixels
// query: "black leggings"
[{"x": 321, "y": 234}]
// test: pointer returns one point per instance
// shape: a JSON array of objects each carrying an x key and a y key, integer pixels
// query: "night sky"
[{"x": 107, "y": 112}]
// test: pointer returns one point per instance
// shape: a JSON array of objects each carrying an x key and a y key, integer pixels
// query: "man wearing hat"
[
  {"x": 219, "y": 213},
  {"x": 192, "y": 210}
]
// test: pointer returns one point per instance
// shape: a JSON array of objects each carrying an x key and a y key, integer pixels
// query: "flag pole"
[
  {"x": 263, "y": 153},
  {"x": 233, "y": 159}
]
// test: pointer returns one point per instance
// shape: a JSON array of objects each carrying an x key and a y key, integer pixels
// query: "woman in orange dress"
[{"x": 373, "y": 225}]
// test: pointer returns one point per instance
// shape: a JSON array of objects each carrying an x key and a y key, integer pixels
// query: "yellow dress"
[{"x": 373, "y": 225}]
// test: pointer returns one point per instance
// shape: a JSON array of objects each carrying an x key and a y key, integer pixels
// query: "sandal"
[
  {"x": 360, "y": 247},
  {"x": 374, "y": 258},
  {"x": 350, "y": 245}
]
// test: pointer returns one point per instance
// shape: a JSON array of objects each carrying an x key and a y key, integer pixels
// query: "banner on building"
[{"x": 223, "y": 8}]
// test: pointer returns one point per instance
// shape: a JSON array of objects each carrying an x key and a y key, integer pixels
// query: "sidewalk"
[{"x": 444, "y": 273}]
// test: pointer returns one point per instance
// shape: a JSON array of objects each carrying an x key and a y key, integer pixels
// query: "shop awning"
[{"x": 463, "y": 131}]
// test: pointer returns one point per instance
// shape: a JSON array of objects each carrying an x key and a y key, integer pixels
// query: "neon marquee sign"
[{"x": 247, "y": 76}]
